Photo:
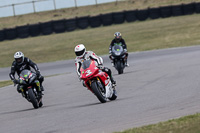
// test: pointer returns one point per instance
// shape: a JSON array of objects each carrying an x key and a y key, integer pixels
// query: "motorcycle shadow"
[
  {"x": 86, "y": 105},
  {"x": 17, "y": 111},
  {"x": 116, "y": 74}
]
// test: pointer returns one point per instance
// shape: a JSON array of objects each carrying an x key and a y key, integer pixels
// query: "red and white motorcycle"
[{"x": 97, "y": 81}]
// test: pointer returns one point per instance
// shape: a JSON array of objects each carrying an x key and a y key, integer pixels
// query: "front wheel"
[
  {"x": 33, "y": 98},
  {"x": 119, "y": 67},
  {"x": 98, "y": 92}
]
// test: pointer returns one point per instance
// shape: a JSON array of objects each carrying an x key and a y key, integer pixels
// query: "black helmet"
[{"x": 118, "y": 36}]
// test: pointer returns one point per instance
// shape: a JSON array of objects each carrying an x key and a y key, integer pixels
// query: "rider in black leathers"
[
  {"x": 118, "y": 40},
  {"x": 21, "y": 63}
]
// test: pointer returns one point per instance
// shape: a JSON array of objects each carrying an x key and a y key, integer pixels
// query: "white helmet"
[
  {"x": 19, "y": 57},
  {"x": 80, "y": 50}
]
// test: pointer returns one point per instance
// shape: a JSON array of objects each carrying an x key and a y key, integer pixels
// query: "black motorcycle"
[
  {"x": 118, "y": 55},
  {"x": 29, "y": 82}
]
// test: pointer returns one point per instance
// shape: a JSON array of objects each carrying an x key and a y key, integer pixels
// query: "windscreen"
[
  {"x": 117, "y": 48},
  {"x": 24, "y": 73},
  {"x": 86, "y": 64}
]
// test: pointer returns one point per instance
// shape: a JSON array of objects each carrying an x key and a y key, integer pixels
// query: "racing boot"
[
  {"x": 126, "y": 64},
  {"x": 112, "y": 64},
  {"x": 83, "y": 83},
  {"x": 41, "y": 79},
  {"x": 23, "y": 95},
  {"x": 41, "y": 87},
  {"x": 113, "y": 81}
]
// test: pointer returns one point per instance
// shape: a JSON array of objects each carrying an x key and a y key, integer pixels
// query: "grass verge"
[
  {"x": 187, "y": 124},
  {"x": 139, "y": 36},
  {"x": 5, "y": 83},
  {"x": 9, "y": 82}
]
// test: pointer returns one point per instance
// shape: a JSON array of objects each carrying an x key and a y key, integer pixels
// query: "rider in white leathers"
[{"x": 82, "y": 54}]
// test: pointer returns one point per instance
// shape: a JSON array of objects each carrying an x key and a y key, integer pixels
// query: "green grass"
[
  {"x": 139, "y": 36},
  {"x": 5, "y": 83},
  {"x": 9, "y": 82},
  {"x": 187, "y": 124}
]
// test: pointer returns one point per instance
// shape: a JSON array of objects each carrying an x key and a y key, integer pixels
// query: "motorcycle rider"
[
  {"x": 118, "y": 40},
  {"x": 82, "y": 54},
  {"x": 21, "y": 63}
]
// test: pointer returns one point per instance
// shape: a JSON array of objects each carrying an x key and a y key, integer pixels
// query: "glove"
[
  {"x": 16, "y": 81},
  {"x": 100, "y": 66},
  {"x": 110, "y": 52},
  {"x": 38, "y": 73},
  {"x": 125, "y": 50}
]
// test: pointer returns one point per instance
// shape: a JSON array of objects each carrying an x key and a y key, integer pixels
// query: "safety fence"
[
  {"x": 33, "y": 6},
  {"x": 67, "y": 25}
]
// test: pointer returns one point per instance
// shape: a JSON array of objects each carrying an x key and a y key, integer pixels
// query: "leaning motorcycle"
[
  {"x": 29, "y": 82},
  {"x": 97, "y": 81},
  {"x": 118, "y": 57}
]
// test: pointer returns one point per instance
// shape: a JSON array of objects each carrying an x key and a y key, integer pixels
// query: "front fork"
[
  {"x": 38, "y": 85},
  {"x": 90, "y": 82}
]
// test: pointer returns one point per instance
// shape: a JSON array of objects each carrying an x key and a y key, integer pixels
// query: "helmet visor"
[
  {"x": 18, "y": 60},
  {"x": 80, "y": 53},
  {"x": 118, "y": 39}
]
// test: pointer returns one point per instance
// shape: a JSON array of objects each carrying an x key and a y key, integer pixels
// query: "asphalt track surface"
[{"x": 159, "y": 85}]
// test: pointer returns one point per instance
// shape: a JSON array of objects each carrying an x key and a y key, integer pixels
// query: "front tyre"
[
  {"x": 119, "y": 67},
  {"x": 98, "y": 92},
  {"x": 33, "y": 98}
]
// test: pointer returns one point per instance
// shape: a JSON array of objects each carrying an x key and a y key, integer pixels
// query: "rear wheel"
[
  {"x": 40, "y": 104},
  {"x": 114, "y": 96},
  {"x": 33, "y": 98},
  {"x": 98, "y": 92}
]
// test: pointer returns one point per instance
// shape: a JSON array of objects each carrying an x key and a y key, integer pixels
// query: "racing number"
[{"x": 88, "y": 72}]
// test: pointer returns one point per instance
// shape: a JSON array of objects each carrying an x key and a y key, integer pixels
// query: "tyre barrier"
[
  {"x": 59, "y": 26},
  {"x": 107, "y": 19},
  {"x": 34, "y": 30},
  {"x": 177, "y": 10},
  {"x": 10, "y": 34},
  {"x": 2, "y": 35},
  {"x": 82, "y": 22},
  {"x": 23, "y": 31},
  {"x": 166, "y": 11},
  {"x": 142, "y": 14},
  {"x": 197, "y": 7},
  {"x": 70, "y": 24},
  {"x": 188, "y": 8},
  {"x": 154, "y": 13},
  {"x": 46, "y": 28},
  {"x": 118, "y": 17},
  {"x": 131, "y": 16},
  {"x": 95, "y": 21}
]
